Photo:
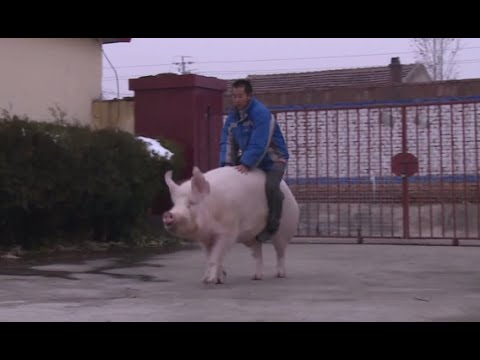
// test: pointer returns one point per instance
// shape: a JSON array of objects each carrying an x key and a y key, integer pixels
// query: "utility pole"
[{"x": 182, "y": 65}]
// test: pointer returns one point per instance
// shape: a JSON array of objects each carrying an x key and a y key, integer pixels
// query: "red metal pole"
[
  {"x": 406, "y": 214},
  {"x": 465, "y": 197}
]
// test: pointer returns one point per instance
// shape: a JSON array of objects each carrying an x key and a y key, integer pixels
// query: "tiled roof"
[
  {"x": 379, "y": 75},
  {"x": 114, "y": 40}
]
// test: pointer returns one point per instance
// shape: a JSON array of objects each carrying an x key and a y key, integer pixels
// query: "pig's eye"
[{"x": 190, "y": 204}]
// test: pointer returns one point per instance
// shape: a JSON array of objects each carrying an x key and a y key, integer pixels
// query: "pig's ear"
[
  {"x": 200, "y": 186},
  {"x": 170, "y": 183}
]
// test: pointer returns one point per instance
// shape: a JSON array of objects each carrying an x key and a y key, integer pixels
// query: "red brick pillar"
[{"x": 185, "y": 108}]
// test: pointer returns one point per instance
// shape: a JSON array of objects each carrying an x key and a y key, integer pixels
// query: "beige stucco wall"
[
  {"x": 42, "y": 73},
  {"x": 114, "y": 114}
]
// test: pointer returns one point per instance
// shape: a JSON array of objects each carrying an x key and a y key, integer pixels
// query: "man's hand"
[{"x": 242, "y": 169}]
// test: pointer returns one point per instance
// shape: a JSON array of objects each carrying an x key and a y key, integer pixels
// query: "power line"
[
  {"x": 128, "y": 76},
  {"x": 271, "y": 71},
  {"x": 286, "y": 59},
  {"x": 113, "y": 92},
  {"x": 114, "y": 70}
]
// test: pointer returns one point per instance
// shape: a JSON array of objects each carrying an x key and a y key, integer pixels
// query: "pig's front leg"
[
  {"x": 207, "y": 247},
  {"x": 208, "y": 250},
  {"x": 221, "y": 274},
  {"x": 215, "y": 272}
]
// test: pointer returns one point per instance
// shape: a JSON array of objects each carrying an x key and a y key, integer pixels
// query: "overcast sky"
[{"x": 237, "y": 57}]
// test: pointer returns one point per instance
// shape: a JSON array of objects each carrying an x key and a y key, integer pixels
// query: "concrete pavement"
[{"x": 324, "y": 283}]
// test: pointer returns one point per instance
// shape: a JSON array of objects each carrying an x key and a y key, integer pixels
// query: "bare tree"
[{"x": 438, "y": 55}]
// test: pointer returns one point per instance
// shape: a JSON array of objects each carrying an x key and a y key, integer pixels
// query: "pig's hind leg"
[
  {"x": 280, "y": 245},
  {"x": 258, "y": 256}
]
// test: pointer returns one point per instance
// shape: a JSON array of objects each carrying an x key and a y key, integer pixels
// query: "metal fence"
[{"x": 408, "y": 170}]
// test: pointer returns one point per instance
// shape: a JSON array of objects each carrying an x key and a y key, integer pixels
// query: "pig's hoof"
[
  {"x": 213, "y": 280},
  {"x": 257, "y": 277},
  {"x": 221, "y": 277},
  {"x": 281, "y": 274}
]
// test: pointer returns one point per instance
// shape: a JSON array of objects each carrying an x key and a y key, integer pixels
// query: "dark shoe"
[
  {"x": 272, "y": 227},
  {"x": 264, "y": 236}
]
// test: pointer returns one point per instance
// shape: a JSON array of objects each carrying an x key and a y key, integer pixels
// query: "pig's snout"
[{"x": 168, "y": 219}]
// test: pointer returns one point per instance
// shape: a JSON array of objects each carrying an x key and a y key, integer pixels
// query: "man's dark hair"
[{"x": 246, "y": 84}]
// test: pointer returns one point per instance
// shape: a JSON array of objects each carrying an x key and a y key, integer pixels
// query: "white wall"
[
  {"x": 350, "y": 143},
  {"x": 38, "y": 74}
]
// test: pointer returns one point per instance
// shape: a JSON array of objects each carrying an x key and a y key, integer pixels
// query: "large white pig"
[{"x": 222, "y": 207}]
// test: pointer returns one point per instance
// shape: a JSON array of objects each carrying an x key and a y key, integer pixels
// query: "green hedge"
[{"x": 61, "y": 181}]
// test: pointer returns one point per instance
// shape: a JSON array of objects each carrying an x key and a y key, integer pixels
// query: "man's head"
[{"x": 241, "y": 93}]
